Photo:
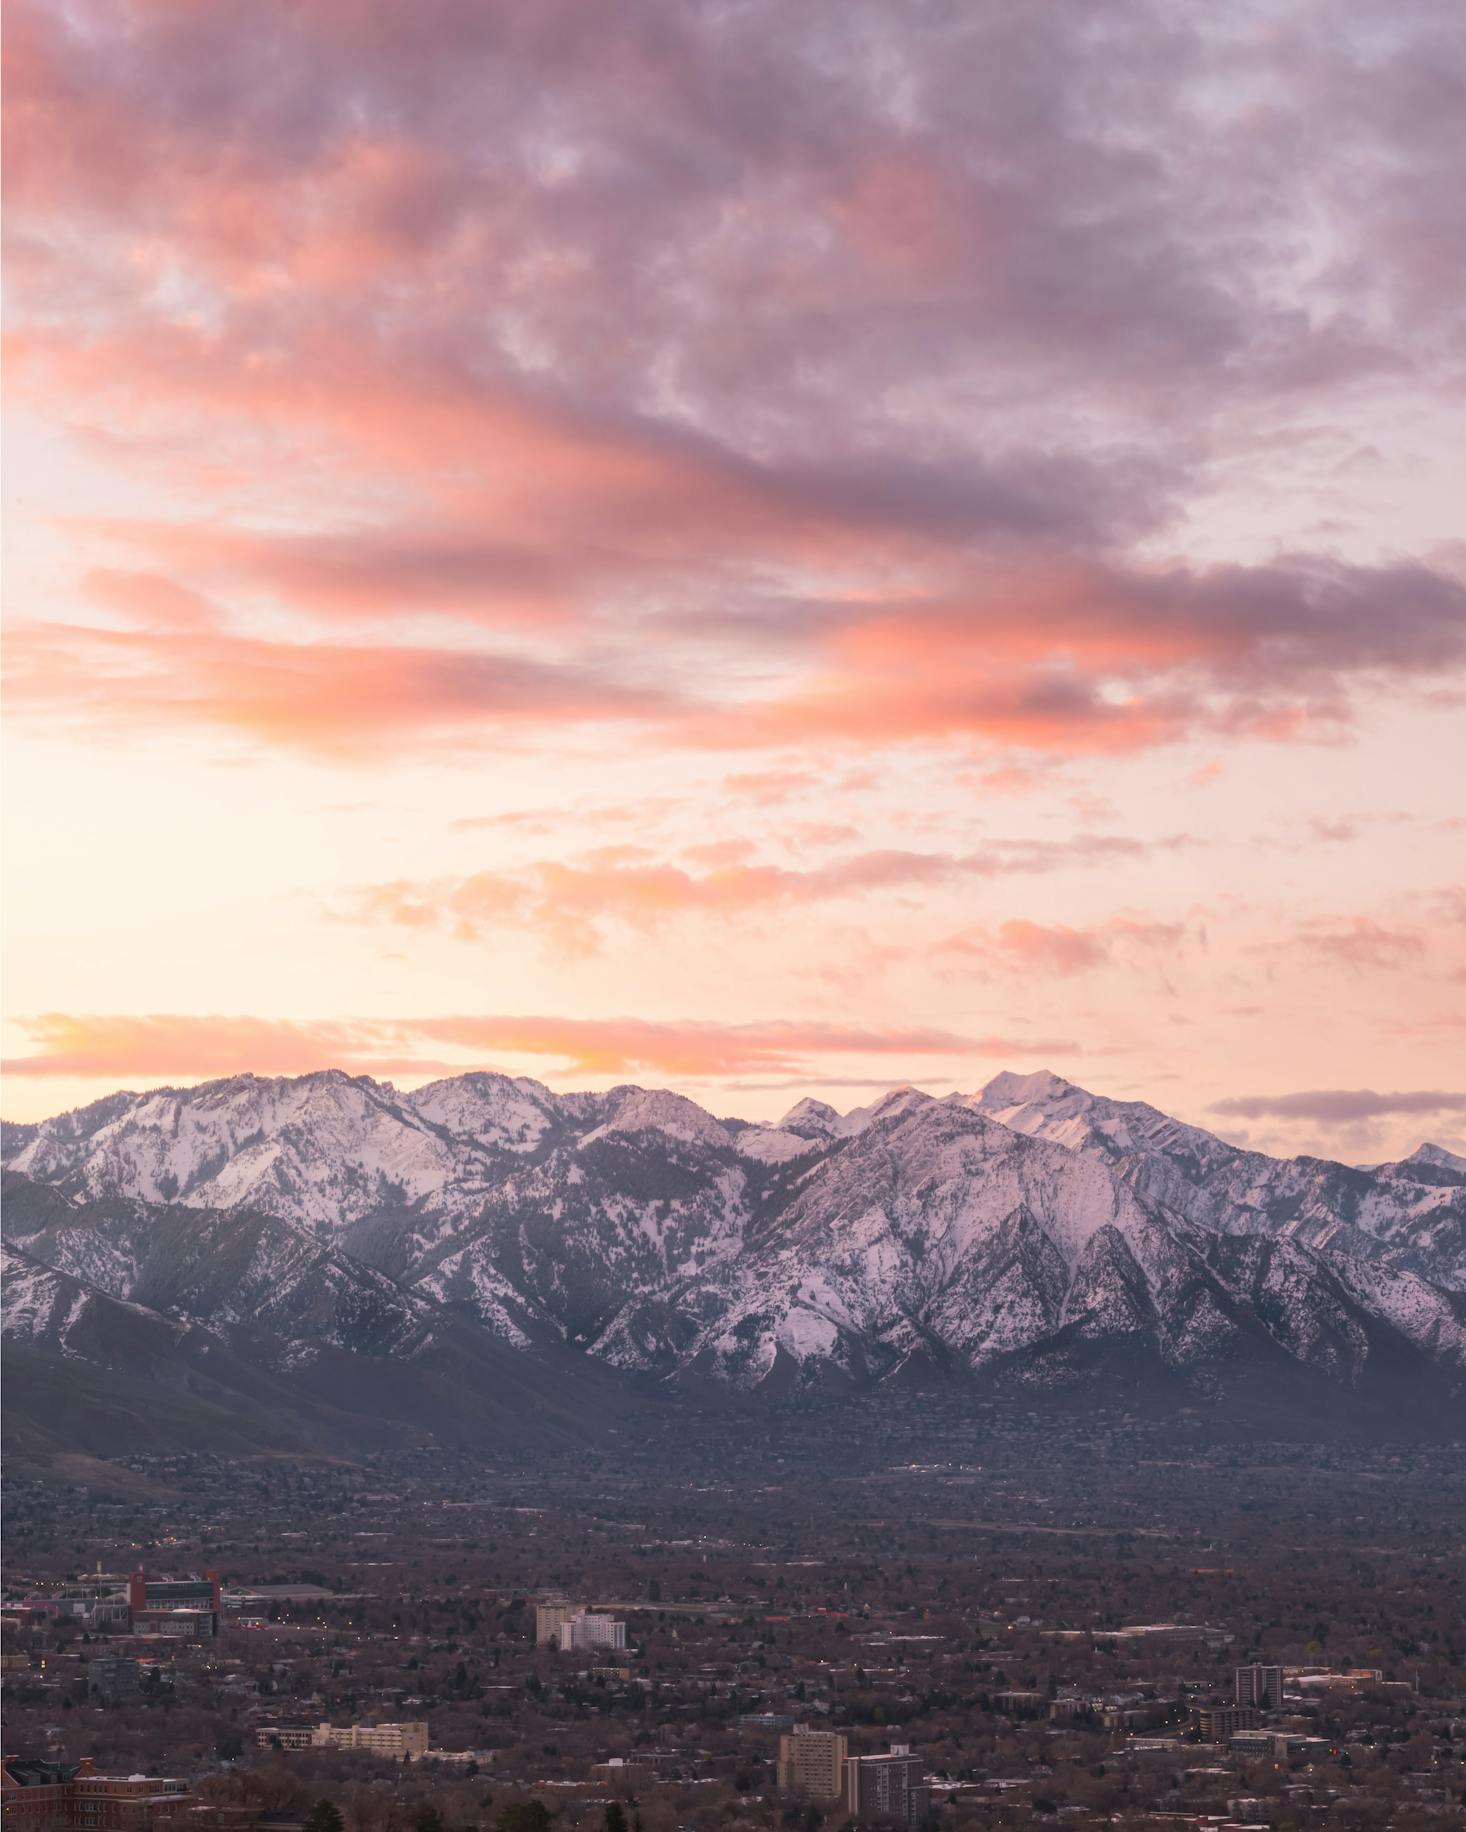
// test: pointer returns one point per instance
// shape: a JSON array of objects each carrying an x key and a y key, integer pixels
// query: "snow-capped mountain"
[
  {"x": 1412, "y": 1213},
  {"x": 237, "y": 1331},
  {"x": 1031, "y": 1234}
]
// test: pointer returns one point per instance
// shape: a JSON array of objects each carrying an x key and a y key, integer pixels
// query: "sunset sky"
[{"x": 759, "y": 548}]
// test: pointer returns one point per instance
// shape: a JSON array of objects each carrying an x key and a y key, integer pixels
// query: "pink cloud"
[
  {"x": 571, "y": 902},
  {"x": 1361, "y": 942},
  {"x": 1019, "y": 945},
  {"x": 402, "y": 300},
  {"x": 328, "y": 698}
]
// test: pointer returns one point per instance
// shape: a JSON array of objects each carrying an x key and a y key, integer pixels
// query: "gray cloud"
[{"x": 1338, "y": 1106}]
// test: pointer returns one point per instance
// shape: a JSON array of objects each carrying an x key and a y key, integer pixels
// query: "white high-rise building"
[{"x": 591, "y": 1631}]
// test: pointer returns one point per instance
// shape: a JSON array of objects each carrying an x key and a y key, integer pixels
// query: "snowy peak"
[
  {"x": 812, "y": 1119},
  {"x": 1044, "y": 1105},
  {"x": 1438, "y": 1158},
  {"x": 895, "y": 1105},
  {"x": 499, "y": 1112},
  {"x": 632, "y": 1110},
  {"x": 1008, "y": 1089},
  {"x": 322, "y": 1149}
]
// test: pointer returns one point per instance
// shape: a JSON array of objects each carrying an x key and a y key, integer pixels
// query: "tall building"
[
  {"x": 588, "y": 1631},
  {"x": 886, "y": 1788},
  {"x": 812, "y": 1763},
  {"x": 550, "y": 1618},
  {"x": 1260, "y": 1686}
]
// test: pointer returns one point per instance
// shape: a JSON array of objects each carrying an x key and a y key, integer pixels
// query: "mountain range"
[{"x": 328, "y": 1261}]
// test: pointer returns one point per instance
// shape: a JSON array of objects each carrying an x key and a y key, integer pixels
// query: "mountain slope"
[
  {"x": 484, "y": 1247},
  {"x": 237, "y": 1332},
  {"x": 1412, "y": 1213},
  {"x": 938, "y": 1234}
]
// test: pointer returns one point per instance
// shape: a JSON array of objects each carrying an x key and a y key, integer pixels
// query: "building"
[
  {"x": 550, "y": 1618},
  {"x": 176, "y": 1624},
  {"x": 1218, "y": 1723},
  {"x": 1260, "y": 1686},
  {"x": 176, "y": 1606},
  {"x": 1353, "y": 1679},
  {"x": 126, "y": 1803},
  {"x": 285, "y": 1736},
  {"x": 114, "y": 1678},
  {"x": 100, "y": 1599},
  {"x": 617, "y": 1772},
  {"x": 812, "y": 1763},
  {"x": 886, "y": 1788},
  {"x": 1272, "y": 1743},
  {"x": 399, "y": 1741},
  {"x": 589, "y": 1631},
  {"x": 72, "y": 1797}
]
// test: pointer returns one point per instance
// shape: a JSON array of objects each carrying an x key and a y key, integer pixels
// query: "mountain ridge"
[{"x": 1029, "y": 1234}]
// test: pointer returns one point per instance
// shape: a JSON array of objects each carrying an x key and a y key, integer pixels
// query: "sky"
[{"x": 765, "y": 550}]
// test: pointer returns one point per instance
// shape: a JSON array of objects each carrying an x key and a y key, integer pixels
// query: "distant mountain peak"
[
  {"x": 1010, "y": 1089},
  {"x": 1438, "y": 1156},
  {"x": 811, "y": 1113}
]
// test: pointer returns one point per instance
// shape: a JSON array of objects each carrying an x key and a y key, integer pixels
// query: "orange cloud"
[{"x": 147, "y": 1047}]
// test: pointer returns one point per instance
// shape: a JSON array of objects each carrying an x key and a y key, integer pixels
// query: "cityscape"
[{"x": 795, "y": 1640}]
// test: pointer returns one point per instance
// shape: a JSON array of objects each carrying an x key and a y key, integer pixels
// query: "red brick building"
[{"x": 40, "y": 1796}]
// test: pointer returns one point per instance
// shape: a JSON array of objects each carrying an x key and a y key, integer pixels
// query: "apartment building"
[
  {"x": 550, "y": 1617},
  {"x": 1260, "y": 1686},
  {"x": 812, "y": 1763},
  {"x": 887, "y": 1789},
  {"x": 1217, "y": 1723},
  {"x": 592, "y": 1631}
]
